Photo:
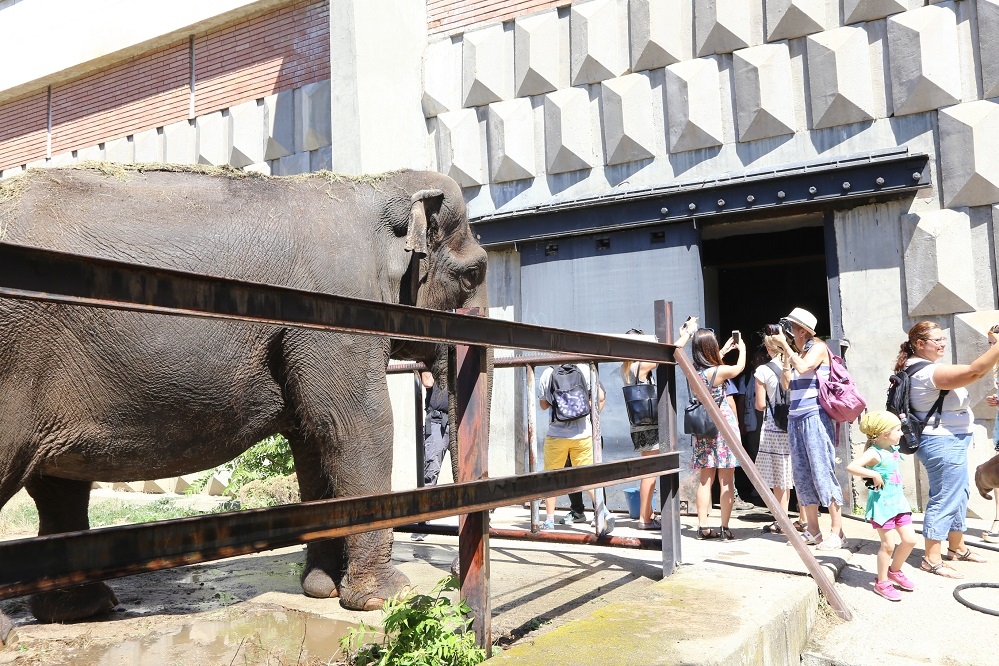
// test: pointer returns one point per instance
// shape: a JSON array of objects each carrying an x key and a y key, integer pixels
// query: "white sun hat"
[{"x": 803, "y": 318}]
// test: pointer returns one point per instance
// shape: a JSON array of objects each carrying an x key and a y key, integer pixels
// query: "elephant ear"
[{"x": 416, "y": 235}]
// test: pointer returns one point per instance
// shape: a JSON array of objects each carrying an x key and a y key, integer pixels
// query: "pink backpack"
[{"x": 838, "y": 395}]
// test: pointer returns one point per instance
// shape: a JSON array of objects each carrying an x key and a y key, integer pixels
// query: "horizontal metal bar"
[
  {"x": 44, "y": 275},
  {"x": 50, "y": 562},
  {"x": 583, "y": 538},
  {"x": 536, "y": 360}
]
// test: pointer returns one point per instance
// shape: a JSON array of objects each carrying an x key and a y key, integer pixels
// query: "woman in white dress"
[{"x": 773, "y": 460}]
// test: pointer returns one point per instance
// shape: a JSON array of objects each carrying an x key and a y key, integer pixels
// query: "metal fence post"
[
  {"x": 532, "y": 441},
  {"x": 471, "y": 390},
  {"x": 669, "y": 486},
  {"x": 421, "y": 453}
]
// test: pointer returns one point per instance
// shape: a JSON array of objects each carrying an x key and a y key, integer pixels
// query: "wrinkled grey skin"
[{"x": 103, "y": 395}]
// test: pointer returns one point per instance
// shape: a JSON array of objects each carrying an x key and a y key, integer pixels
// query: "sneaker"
[
  {"x": 417, "y": 536},
  {"x": 887, "y": 590},
  {"x": 900, "y": 580},
  {"x": 655, "y": 524},
  {"x": 741, "y": 504},
  {"x": 609, "y": 522},
  {"x": 832, "y": 542},
  {"x": 571, "y": 518},
  {"x": 547, "y": 526},
  {"x": 991, "y": 536}
]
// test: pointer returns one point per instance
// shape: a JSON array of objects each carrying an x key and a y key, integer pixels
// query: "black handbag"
[
  {"x": 642, "y": 402},
  {"x": 696, "y": 420}
]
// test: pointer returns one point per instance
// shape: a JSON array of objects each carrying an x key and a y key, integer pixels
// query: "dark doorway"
[{"x": 754, "y": 279}]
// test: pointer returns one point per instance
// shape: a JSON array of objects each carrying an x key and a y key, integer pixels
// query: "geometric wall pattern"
[
  {"x": 693, "y": 105},
  {"x": 923, "y": 56},
  {"x": 487, "y": 66},
  {"x": 855, "y": 11},
  {"x": 510, "y": 137},
  {"x": 660, "y": 33},
  {"x": 568, "y": 131},
  {"x": 840, "y": 79},
  {"x": 969, "y": 134},
  {"x": 541, "y": 54},
  {"x": 988, "y": 44},
  {"x": 787, "y": 19},
  {"x": 762, "y": 80},
  {"x": 939, "y": 279},
  {"x": 722, "y": 26},
  {"x": 971, "y": 341},
  {"x": 459, "y": 148},
  {"x": 599, "y": 40},
  {"x": 627, "y": 118},
  {"x": 441, "y": 78}
]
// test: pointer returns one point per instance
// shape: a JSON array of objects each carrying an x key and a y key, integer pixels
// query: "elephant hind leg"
[{"x": 62, "y": 507}]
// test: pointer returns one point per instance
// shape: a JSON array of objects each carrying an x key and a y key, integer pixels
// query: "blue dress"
[{"x": 889, "y": 501}]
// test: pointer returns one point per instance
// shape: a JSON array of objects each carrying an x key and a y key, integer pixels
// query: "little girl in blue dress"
[{"x": 887, "y": 508}]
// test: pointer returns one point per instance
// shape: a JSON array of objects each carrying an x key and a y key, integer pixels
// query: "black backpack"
[
  {"x": 780, "y": 407},
  {"x": 899, "y": 403},
  {"x": 570, "y": 397}
]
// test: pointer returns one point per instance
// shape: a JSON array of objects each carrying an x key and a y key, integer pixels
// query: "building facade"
[{"x": 736, "y": 157}]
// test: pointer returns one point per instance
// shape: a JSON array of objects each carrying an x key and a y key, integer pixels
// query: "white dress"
[{"x": 773, "y": 459}]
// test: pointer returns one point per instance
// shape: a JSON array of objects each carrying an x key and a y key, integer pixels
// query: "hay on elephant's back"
[{"x": 11, "y": 191}]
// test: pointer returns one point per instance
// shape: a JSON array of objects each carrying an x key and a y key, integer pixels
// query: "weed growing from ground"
[{"x": 418, "y": 630}]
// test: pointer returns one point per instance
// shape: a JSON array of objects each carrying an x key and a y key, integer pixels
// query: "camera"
[
  {"x": 782, "y": 326},
  {"x": 995, "y": 329},
  {"x": 870, "y": 484}
]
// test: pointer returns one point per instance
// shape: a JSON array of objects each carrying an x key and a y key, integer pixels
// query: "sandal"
[
  {"x": 707, "y": 533},
  {"x": 772, "y": 528},
  {"x": 798, "y": 525},
  {"x": 991, "y": 536},
  {"x": 726, "y": 534},
  {"x": 939, "y": 569},
  {"x": 966, "y": 556}
]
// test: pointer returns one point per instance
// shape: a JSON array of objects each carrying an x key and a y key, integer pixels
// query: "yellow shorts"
[{"x": 579, "y": 451}]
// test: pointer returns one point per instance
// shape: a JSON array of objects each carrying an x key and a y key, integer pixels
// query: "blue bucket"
[{"x": 634, "y": 502}]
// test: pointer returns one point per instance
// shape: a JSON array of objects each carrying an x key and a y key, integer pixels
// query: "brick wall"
[
  {"x": 249, "y": 59},
  {"x": 449, "y": 17},
  {"x": 23, "y": 132},
  {"x": 259, "y": 56}
]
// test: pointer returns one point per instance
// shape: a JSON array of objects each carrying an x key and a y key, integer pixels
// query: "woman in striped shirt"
[{"x": 810, "y": 430}]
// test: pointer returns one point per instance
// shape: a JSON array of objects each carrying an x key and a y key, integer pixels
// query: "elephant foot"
[
  {"x": 73, "y": 603},
  {"x": 6, "y": 626},
  {"x": 983, "y": 485},
  {"x": 317, "y": 583},
  {"x": 370, "y": 590}
]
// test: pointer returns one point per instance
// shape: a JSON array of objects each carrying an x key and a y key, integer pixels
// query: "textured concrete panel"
[
  {"x": 923, "y": 57},
  {"x": 321, "y": 159},
  {"x": 988, "y": 45},
  {"x": 263, "y": 168},
  {"x": 627, "y": 120},
  {"x": 787, "y": 19},
  {"x": 212, "y": 137},
  {"x": 968, "y": 137},
  {"x": 970, "y": 335},
  {"x": 722, "y": 26},
  {"x": 11, "y": 172},
  {"x": 693, "y": 105},
  {"x": 486, "y": 66},
  {"x": 312, "y": 117},
  {"x": 148, "y": 146},
  {"x": 661, "y": 32},
  {"x": 119, "y": 150},
  {"x": 279, "y": 125},
  {"x": 510, "y": 137},
  {"x": 291, "y": 165},
  {"x": 541, "y": 53},
  {"x": 599, "y": 34},
  {"x": 939, "y": 279},
  {"x": 763, "y": 78},
  {"x": 839, "y": 72},
  {"x": 459, "y": 147},
  {"x": 855, "y": 11},
  {"x": 64, "y": 159},
  {"x": 83, "y": 154},
  {"x": 568, "y": 132},
  {"x": 441, "y": 78},
  {"x": 246, "y": 134}
]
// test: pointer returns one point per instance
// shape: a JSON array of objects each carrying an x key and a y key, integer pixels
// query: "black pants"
[{"x": 575, "y": 499}]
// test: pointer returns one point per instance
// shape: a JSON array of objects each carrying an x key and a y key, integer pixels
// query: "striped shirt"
[{"x": 804, "y": 391}]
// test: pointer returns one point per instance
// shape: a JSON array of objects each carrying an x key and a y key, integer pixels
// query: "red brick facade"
[
  {"x": 249, "y": 59},
  {"x": 450, "y": 17}
]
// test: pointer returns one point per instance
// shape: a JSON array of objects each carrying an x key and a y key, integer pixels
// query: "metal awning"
[{"x": 832, "y": 183}]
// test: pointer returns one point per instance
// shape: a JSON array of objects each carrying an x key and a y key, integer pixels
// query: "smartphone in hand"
[{"x": 736, "y": 336}]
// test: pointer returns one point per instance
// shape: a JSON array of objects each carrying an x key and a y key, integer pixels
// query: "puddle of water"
[{"x": 281, "y": 637}]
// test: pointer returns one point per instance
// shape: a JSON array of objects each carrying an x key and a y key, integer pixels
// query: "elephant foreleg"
[{"x": 62, "y": 507}]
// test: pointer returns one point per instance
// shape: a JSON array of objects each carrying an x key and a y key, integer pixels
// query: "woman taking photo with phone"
[
  {"x": 711, "y": 454},
  {"x": 810, "y": 431},
  {"x": 943, "y": 446}
]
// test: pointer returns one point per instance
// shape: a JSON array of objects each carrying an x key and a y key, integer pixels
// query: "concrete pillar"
[{"x": 376, "y": 64}]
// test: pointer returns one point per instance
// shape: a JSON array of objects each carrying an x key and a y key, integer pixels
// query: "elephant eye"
[{"x": 470, "y": 278}]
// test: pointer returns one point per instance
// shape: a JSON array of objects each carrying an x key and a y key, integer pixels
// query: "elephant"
[{"x": 92, "y": 394}]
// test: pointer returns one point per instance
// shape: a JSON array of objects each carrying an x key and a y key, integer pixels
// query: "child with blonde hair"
[{"x": 887, "y": 508}]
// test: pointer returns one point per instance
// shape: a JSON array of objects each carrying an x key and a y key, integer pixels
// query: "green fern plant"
[{"x": 419, "y": 630}]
